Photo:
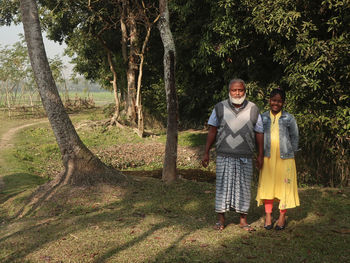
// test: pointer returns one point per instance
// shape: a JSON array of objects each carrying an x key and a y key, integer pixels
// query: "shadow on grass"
[
  {"x": 197, "y": 175},
  {"x": 188, "y": 205},
  {"x": 17, "y": 183}
]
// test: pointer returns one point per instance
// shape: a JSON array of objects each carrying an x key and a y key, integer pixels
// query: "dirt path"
[{"x": 6, "y": 141}]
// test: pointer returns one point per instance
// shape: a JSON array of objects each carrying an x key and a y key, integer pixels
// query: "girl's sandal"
[{"x": 219, "y": 226}]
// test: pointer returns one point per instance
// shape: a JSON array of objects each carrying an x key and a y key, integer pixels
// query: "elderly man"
[{"x": 236, "y": 125}]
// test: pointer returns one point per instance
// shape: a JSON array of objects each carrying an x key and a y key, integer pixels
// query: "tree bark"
[
  {"x": 169, "y": 168},
  {"x": 81, "y": 166},
  {"x": 131, "y": 72},
  {"x": 124, "y": 32},
  {"x": 140, "y": 123},
  {"x": 115, "y": 116}
]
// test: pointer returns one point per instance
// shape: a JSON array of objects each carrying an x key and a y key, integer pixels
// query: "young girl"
[{"x": 278, "y": 180}]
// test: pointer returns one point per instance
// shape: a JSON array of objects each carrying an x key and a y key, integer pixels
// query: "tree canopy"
[{"x": 300, "y": 46}]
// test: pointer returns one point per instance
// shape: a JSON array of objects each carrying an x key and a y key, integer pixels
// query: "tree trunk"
[
  {"x": 140, "y": 122},
  {"x": 81, "y": 166},
  {"x": 124, "y": 33},
  {"x": 115, "y": 116},
  {"x": 131, "y": 72},
  {"x": 8, "y": 98},
  {"x": 169, "y": 168}
]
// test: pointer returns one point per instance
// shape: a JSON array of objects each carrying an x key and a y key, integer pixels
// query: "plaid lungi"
[{"x": 233, "y": 180}]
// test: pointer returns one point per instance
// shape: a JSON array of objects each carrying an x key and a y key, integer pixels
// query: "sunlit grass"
[{"x": 147, "y": 220}]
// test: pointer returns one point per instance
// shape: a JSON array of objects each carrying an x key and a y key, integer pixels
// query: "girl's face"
[{"x": 276, "y": 104}]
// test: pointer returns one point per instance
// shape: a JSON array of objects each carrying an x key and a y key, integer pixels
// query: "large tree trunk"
[
  {"x": 169, "y": 168},
  {"x": 81, "y": 166}
]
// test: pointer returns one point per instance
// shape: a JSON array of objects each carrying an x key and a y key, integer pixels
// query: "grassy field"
[
  {"x": 100, "y": 98},
  {"x": 146, "y": 220}
]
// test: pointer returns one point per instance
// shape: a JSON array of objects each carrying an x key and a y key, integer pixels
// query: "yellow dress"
[{"x": 278, "y": 177}]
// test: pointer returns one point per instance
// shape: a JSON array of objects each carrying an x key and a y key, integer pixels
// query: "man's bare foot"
[{"x": 247, "y": 227}]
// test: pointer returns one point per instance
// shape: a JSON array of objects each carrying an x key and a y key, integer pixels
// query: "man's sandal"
[
  {"x": 219, "y": 226},
  {"x": 247, "y": 228}
]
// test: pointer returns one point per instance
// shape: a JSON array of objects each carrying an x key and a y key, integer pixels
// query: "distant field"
[{"x": 100, "y": 98}]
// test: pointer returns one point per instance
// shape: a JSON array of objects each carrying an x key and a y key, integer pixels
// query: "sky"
[{"x": 10, "y": 35}]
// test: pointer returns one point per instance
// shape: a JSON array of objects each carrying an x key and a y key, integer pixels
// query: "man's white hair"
[{"x": 235, "y": 81}]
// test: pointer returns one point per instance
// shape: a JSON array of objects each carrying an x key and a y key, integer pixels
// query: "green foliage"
[
  {"x": 8, "y": 12},
  {"x": 312, "y": 41},
  {"x": 301, "y": 46}
]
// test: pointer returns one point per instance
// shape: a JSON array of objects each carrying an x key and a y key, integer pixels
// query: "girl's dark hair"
[{"x": 278, "y": 91}]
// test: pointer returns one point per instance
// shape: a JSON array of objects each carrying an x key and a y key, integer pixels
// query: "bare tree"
[
  {"x": 169, "y": 168},
  {"x": 148, "y": 26},
  {"x": 81, "y": 166}
]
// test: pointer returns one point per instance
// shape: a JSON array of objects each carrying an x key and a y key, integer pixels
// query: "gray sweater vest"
[{"x": 236, "y": 135}]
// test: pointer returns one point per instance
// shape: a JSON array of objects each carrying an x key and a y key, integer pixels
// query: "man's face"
[{"x": 237, "y": 90}]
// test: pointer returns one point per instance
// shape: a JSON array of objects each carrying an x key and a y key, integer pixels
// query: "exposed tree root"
[{"x": 74, "y": 177}]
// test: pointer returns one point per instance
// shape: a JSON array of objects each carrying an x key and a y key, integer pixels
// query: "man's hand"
[
  {"x": 210, "y": 140},
  {"x": 259, "y": 161},
  {"x": 205, "y": 160}
]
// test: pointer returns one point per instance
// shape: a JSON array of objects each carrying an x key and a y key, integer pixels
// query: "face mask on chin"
[{"x": 238, "y": 101}]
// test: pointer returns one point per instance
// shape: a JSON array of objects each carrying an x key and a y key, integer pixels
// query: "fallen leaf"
[{"x": 204, "y": 245}]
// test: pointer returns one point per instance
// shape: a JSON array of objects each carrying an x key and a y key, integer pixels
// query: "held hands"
[
  {"x": 205, "y": 160},
  {"x": 259, "y": 161}
]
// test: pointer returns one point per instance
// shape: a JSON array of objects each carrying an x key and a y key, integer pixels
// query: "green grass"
[
  {"x": 100, "y": 98},
  {"x": 147, "y": 220},
  {"x": 188, "y": 138}
]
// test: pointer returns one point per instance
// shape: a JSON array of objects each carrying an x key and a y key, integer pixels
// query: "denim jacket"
[{"x": 288, "y": 134}]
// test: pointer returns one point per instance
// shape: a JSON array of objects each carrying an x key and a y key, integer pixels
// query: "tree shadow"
[
  {"x": 127, "y": 208},
  {"x": 187, "y": 204},
  {"x": 17, "y": 183}
]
